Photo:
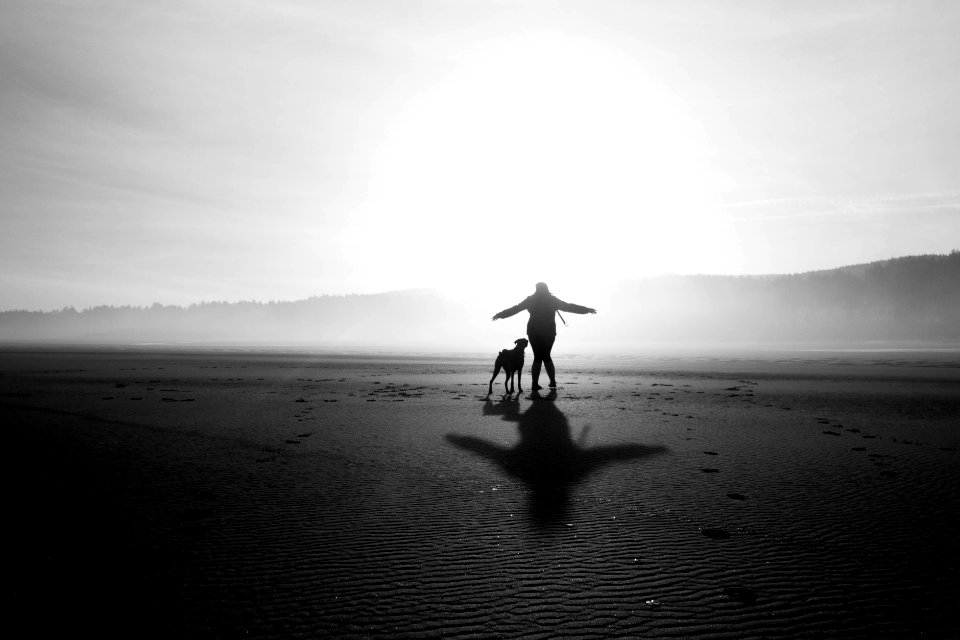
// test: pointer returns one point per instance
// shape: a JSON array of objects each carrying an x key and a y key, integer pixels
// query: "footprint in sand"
[
  {"x": 736, "y": 496},
  {"x": 715, "y": 534},
  {"x": 710, "y": 470},
  {"x": 741, "y": 594}
]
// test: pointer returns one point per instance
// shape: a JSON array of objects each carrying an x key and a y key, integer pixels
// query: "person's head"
[{"x": 542, "y": 288}]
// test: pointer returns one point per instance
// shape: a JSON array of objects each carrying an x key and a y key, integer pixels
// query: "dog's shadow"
[{"x": 546, "y": 458}]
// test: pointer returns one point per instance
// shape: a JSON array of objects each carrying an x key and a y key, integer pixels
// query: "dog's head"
[{"x": 521, "y": 343}]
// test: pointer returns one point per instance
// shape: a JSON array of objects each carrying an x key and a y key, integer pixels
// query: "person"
[{"x": 542, "y": 327}]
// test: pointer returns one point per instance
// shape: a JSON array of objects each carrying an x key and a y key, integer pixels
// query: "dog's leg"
[
  {"x": 507, "y": 378},
  {"x": 520, "y": 378},
  {"x": 494, "y": 377}
]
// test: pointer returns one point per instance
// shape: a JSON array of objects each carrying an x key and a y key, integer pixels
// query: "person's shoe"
[
  {"x": 537, "y": 387},
  {"x": 553, "y": 384}
]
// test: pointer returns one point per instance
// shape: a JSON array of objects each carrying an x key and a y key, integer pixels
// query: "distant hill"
[
  {"x": 908, "y": 299},
  {"x": 380, "y": 319},
  {"x": 911, "y": 299}
]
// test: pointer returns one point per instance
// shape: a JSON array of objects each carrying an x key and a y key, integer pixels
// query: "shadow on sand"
[{"x": 546, "y": 458}]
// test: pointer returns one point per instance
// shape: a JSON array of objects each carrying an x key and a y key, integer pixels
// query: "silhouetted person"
[{"x": 542, "y": 327}]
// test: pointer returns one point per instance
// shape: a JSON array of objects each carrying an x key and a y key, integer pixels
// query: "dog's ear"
[{"x": 517, "y": 341}]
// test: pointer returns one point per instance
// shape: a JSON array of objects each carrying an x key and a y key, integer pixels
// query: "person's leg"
[
  {"x": 538, "y": 344},
  {"x": 548, "y": 361}
]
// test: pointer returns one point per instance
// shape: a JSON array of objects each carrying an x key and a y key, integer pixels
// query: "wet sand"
[{"x": 240, "y": 494}]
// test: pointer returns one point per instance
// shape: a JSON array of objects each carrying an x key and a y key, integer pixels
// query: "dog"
[{"x": 511, "y": 361}]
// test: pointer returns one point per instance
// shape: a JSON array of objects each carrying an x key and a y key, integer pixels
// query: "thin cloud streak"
[{"x": 846, "y": 205}]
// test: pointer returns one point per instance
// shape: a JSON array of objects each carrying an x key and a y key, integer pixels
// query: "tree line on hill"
[
  {"x": 910, "y": 299},
  {"x": 915, "y": 298},
  {"x": 320, "y": 319}
]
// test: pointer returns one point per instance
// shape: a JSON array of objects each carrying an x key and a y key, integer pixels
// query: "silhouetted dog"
[{"x": 511, "y": 361}]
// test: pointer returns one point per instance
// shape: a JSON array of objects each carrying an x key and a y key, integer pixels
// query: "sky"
[{"x": 186, "y": 151}]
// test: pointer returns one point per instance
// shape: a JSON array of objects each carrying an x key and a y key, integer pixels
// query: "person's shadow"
[{"x": 546, "y": 458}]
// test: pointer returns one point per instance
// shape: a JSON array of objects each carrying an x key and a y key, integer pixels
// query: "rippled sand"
[{"x": 229, "y": 495}]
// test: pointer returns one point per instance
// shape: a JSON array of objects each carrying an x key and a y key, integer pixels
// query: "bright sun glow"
[{"x": 542, "y": 158}]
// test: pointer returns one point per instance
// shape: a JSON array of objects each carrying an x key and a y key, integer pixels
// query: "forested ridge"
[{"x": 915, "y": 298}]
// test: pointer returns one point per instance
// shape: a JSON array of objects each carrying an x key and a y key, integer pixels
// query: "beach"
[{"x": 191, "y": 493}]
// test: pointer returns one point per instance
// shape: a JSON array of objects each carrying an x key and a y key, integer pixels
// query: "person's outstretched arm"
[
  {"x": 573, "y": 308},
  {"x": 512, "y": 311}
]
